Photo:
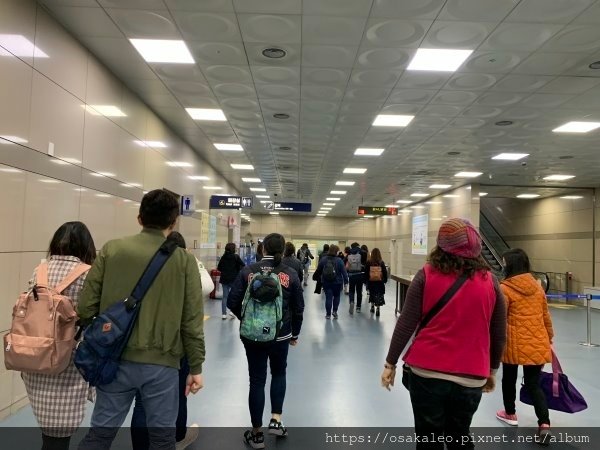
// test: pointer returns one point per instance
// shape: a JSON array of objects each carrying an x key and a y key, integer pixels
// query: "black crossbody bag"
[{"x": 430, "y": 315}]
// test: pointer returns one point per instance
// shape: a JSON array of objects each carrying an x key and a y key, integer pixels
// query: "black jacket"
[
  {"x": 295, "y": 264},
  {"x": 230, "y": 265},
  {"x": 293, "y": 298}
]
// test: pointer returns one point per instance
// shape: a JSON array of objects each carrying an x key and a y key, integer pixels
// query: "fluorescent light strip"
[
  {"x": 206, "y": 114},
  {"x": 368, "y": 151},
  {"x": 326, "y": 209},
  {"x": 328, "y": 204},
  {"x": 338, "y": 192},
  {"x": 332, "y": 199},
  {"x": 419, "y": 194},
  {"x": 577, "y": 127},
  {"x": 451, "y": 196},
  {"x": 404, "y": 201},
  {"x": 274, "y": 213},
  {"x": 212, "y": 188},
  {"x": 242, "y": 166},
  {"x": 345, "y": 183},
  {"x": 440, "y": 186},
  {"x": 262, "y": 196},
  {"x": 572, "y": 197},
  {"x": 510, "y": 156},
  {"x": 354, "y": 170},
  {"x": 229, "y": 147},
  {"x": 441, "y": 60},
  {"x": 528, "y": 195},
  {"x": 392, "y": 120},
  {"x": 179, "y": 164},
  {"x": 468, "y": 174},
  {"x": 558, "y": 177},
  {"x": 251, "y": 180},
  {"x": 163, "y": 51},
  {"x": 258, "y": 189},
  {"x": 483, "y": 194},
  {"x": 198, "y": 178}
]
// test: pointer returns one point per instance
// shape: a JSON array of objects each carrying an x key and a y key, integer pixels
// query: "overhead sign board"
[
  {"x": 230, "y": 202},
  {"x": 187, "y": 205},
  {"x": 288, "y": 206},
  {"x": 377, "y": 211}
]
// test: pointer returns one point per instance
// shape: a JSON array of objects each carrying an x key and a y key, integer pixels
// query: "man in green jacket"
[{"x": 169, "y": 326}]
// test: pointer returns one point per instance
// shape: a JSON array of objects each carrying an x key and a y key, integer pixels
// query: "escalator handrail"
[
  {"x": 492, "y": 250},
  {"x": 493, "y": 228}
]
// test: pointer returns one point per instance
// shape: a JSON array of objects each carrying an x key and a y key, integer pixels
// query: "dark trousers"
[
  {"x": 55, "y": 443},
  {"x": 356, "y": 285},
  {"x": 443, "y": 408},
  {"x": 531, "y": 375},
  {"x": 332, "y": 297},
  {"x": 140, "y": 439},
  {"x": 257, "y": 355}
]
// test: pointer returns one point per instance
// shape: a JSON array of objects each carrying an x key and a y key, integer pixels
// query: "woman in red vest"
[{"x": 454, "y": 356}]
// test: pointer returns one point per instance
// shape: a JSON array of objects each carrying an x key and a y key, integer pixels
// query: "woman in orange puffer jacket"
[{"x": 529, "y": 338}]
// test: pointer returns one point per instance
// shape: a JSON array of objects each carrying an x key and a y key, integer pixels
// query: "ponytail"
[
  {"x": 277, "y": 259},
  {"x": 274, "y": 245}
]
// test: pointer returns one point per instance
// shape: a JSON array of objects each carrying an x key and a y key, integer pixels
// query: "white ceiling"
[{"x": 345, "y": 64}]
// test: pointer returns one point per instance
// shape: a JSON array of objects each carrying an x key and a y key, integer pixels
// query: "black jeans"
[
  {"x": 531, "y": 375},
  {"x": 140, "y": 439},
  {"x": 356, "y": 285},
  {"x": 443, "y": 408},
  {"x": 276, "y": 353}
]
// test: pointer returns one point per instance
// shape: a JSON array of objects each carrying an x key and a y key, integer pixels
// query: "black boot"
[{"x": 55, "y": 443}]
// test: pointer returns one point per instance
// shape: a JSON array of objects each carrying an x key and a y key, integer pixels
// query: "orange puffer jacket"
[{"x": 529, "y": 331}]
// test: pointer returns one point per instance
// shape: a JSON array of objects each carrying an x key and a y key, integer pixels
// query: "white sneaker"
[
  {"x": 231, "y": 315},
  {"x": 191, "y": 435},
  {"x": 224, "y": 317}
]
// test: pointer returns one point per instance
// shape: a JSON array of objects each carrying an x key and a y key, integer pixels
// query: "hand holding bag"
[{"x": 560, "y": 394}]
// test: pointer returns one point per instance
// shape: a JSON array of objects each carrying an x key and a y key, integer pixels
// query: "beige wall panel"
[
  {"x": 9, "y": 287},
  {"x": 12, "y": 206},
  {"x": 18, "y": 17},
  {"x": 98, "y": 212},
  {"x": 15, "y": 97}
]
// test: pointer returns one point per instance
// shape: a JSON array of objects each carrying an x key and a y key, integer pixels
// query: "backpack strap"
[
  {"x": 41, "y": 275},
  {"x": 71, "y": 277}
]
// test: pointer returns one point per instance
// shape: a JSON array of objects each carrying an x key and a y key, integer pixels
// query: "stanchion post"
[{"x": 588, "y": 343}]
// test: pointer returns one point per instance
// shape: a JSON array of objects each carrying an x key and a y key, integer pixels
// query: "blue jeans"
[
  {"x": 140, "y": 440},
  {"x": 332, "y": 297},
  {"x": 157, "y": 386},
  {"x": 257, "y": 356},
  {"x": 226, "y": 289},
  {"x": 356, "y": 285}
]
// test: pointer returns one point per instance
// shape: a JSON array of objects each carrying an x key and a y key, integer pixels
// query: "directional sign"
[
  {"x": 225, "y": 202},
  {"x": 246, "y": 202},
  {"x": 288, "y": 206},
  {"x": 269, "y": 205},
  {"x": 377, "y": 210},
  {"x": 187, "y": 205}
]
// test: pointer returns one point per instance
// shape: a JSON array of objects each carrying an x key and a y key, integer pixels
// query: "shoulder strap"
[
  {"x": 151, "y": 272},
  {"x": 41, "y": 275},
  {"x": 442, "y": 301},
  {"x": 71, "y": 277}
]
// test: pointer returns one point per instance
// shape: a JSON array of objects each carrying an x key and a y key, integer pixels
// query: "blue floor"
[{"x": 333, "y": 374}]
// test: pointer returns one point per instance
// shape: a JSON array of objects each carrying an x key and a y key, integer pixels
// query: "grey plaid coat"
[{"x": 58, "y": 401}]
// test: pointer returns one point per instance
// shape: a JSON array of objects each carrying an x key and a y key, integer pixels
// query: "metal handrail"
[
  {"x": 487, "y": 221},
  {"x": 492, "y": 250}
]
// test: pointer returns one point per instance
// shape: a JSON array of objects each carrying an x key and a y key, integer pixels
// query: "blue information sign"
[
  {"x": 230, "y": 202},
  {"x": 187, "y": 205},
  {"x": 288, "y": 206}
]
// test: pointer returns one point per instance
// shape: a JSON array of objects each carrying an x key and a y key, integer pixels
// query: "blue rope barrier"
[{"x": 573, "y": 296}]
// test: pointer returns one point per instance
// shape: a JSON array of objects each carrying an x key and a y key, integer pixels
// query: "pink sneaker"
[{"x": 510, "y": 419}]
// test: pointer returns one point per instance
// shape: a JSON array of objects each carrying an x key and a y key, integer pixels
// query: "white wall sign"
[{"x": 419, "y": 234}]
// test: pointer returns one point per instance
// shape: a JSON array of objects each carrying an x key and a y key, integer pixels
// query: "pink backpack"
[{"x": 42, "y": 335}]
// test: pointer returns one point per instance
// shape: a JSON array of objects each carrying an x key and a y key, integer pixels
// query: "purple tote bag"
[{"x": 560, "y": 394}]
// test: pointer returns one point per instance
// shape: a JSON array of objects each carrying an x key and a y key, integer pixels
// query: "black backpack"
[{"x": 329, "y": 273}]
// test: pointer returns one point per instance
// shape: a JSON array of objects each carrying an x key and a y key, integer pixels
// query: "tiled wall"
[
  {"x": 42, "y": 106},
  {"x": 556, "y": 233}
]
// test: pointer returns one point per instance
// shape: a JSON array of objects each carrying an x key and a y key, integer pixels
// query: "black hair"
[
  {"x": 230, "y": 247},
  {"x": 354, "y": 245},
  {"x": 364, "y": 248},
  {"x": 517, "y": 262},
  {"x": 333, "y": 250},
  {"x": 325, "y": 248},
  {"x": 274, "y": 245},
  {"x": 159, "y": 209},
  {"x": 259, "y": 248},
  {"x": 177, "y": 238},
  {"x": 290, "y": 249},
  {"x": 73, "y": 239},
  {"x": 347, "y": 250}
]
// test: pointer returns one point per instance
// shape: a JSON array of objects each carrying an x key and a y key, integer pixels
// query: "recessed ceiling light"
[
  {"x": 510, "y": 156},
  {"x": 572, "y": 197},
  {"x": 242, "y": 166},
  {"x": 20, "y": 46},
  {"x": 442, "y": 60},
  {"x": 251, "y": 180},
  {"x": 258, "y": 189},
  {"x": 483, "y": 194},
  {"x": 333, "y": 199},
  {"x": 264, "y": 201},
  {"x": 440, "y": 186},
  {"x": 345, "y": 183},
  {"x": 13, "y": 139},
  {"x": 104, "y": 110},
  {"x": 229, "y": 147},
  {"x": 354, "y": 170},
  {"x": 368, "y": 151},
  {"x": 163, "y": 51},
  {"x": 404, "y": 201},
  {"x": 328, "y": 204},
  {"x": 262, "y": 196},
  {"x": 321, "y": 215},
  {"x": 451, "y": 196},
  {"x": 212, "y": 188},
  {"x": 154, "y": 144},
  {"x": 198, "y": 178},
  {"x": 528, "y": 195},
  {"x": 368, "y": 216},
  {"x": 468, "y": 174},
  {"x": 179, "y": 164},
  {"x": 325, "y": 208},
  {"x": 392, "y": 120},
  {"x": 281, "y": 116},
  {"x": 274, "y": 52},
  {"x": 504, "y": 123},
  {"x": 274, "y": 213},
  {"x": 558, "y": 177},
  {"x": 338, "y": 192},
  {"x": 419, "y": 194},
  {"x": 577, "y": 127},
  {"x": 206, "y": 114}
]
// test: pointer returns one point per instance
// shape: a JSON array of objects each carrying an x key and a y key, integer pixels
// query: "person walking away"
[
  {"x": 333, "y": 276},
  {"x": 71, "y": 249},
  {"x": 317, "y": 274},
  {"x": 376, "y": 276},
  {"x": 259, "y": 251},
  {"x": 229, "y": 265},
  {"x": 169, "y": 326},
  {"x": 276, "y": 351},
  {"x": 355, "y": 269},
  {"x": 184, "y": 436},
  {"x": 457, "y": 348},
  {"x": 304, "y": 256},
  {"x": 529, "y": 339},
  {"x": 289, "y": 259},
  {"x": 364, "y": 254}
]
